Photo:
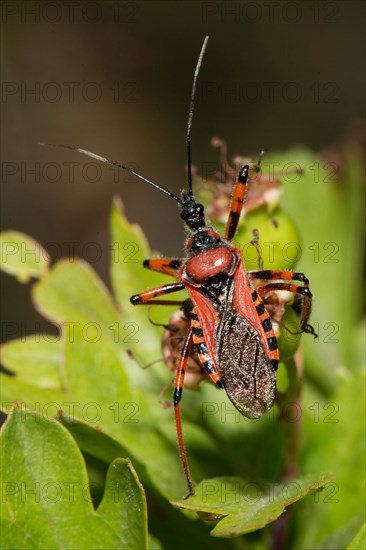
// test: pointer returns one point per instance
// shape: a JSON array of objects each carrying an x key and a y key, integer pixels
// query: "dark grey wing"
[{"x": 247, "y": 375}]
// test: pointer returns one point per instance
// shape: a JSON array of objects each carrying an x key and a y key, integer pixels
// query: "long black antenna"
[
  {"x": 113, "y": 163},
  {"x": 190, "y": 115}
]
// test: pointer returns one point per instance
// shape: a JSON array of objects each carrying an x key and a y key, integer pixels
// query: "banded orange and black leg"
[
  {"x": 179, "y": 383},
  {"x": 272, "y": 274},
  {"x": 237, "y": 203},
  {"x": 148, "y": 296},
  {"x": 202, "y": 351},
  {"x": 284, "y": 275},
  {"x": 164, "y": 265},
  {"x": 266, "y": 323},
  {"x": 302, "y": 291}
]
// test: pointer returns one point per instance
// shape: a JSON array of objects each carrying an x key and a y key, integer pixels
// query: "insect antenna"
[
  {"x": 261, "y": 155},
  {"x": 190, "y": 115},
  {"x": 113, "y": 163}
]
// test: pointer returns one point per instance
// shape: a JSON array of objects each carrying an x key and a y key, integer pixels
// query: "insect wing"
[
  {"x": 242, "y": 351},
  {"x": 247, "y": 374},
  {"x": 237, "y": 344}
]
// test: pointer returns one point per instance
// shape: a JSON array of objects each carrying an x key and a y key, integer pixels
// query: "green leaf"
[
  {"x": 36, "y": 360},
  {"x": 328, "y": 210},
  {"x": 48, "y": 401},
  {"x": 129, "y": 249},
  {"x": 96, "y": 389},
  {"x": 248, "y": 506},
  {"x": 99, "y": 444},
  {"x": 46, "y": 498},
  {"x": 72, "y": 295},
  {"x": 98, "y": 384},
  {"x": 91, "y": 439},
  {"x": 154, "y": 544},
  {"x": 128, "y": 518},
  {"x": 22, "y": 256},
  {"x": 334, "y": 440},
  {"x": 359, "y": 542}
]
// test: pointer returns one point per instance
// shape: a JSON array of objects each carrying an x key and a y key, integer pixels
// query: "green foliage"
[
  {"x": 46, "y": 497},
  {"x": 83, "y": 401},
  {"x": 22, "y": 256},
  {"x": 279, "y": 239},
  {"x": 359, "y": 542},
  {"x": 256, "y": 507}
]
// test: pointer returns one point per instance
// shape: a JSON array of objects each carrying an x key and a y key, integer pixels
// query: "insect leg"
[
  {"x": 271, "y": 274},
  {"x": 179, "y": 383},
  {"x": 265, "y": 320},
  {"x": 202, "y": 351},
  {"x": 303, "y": 291},
  {"x": 148, "y": 295},
  {"x": 237, "y": 203},
  {"x": 164, "y": 265}
]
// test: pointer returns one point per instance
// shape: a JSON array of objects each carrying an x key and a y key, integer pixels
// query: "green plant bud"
[
  {"x": 288, "y": 342},
  {"x": 278, "y": 239}
]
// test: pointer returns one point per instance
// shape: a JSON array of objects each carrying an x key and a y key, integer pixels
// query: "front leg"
[
  {"x": 148, "y": 296},
  {"x": 164, "y": 265}
]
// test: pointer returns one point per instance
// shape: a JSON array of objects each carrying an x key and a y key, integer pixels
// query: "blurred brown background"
[{"x": 115, "y": 78}]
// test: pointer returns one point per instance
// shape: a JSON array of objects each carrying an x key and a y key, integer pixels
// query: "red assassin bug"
[
  {"x": 276, "y": 303},
  {"x": 229, "y": 324}
]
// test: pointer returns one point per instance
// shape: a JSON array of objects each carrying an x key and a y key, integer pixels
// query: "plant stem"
[{"x": 290, "y": 416}]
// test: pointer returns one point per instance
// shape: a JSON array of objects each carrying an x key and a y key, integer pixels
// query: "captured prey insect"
[
  {"x": 172, "y": 339},
  {"x": 228, "y": 321}
]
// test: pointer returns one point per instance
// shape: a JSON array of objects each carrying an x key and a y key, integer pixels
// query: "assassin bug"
[
  {"x": 229, "y": 324},
  {"x": 276, "y": 303}
]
